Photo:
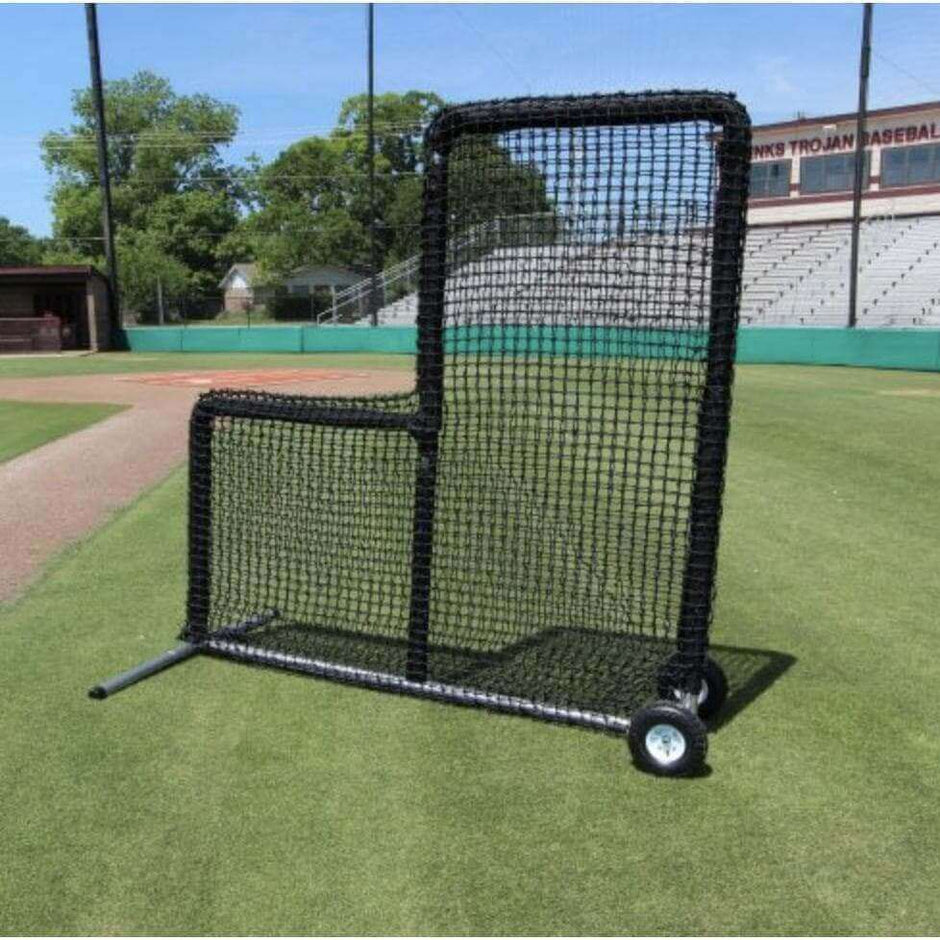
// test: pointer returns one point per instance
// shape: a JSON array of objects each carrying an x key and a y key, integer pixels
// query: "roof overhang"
[{"x": 56, "y": 274}]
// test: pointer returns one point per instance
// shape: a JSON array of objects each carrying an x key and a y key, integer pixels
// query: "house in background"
[
  {"x": 241, "y": 291},
  {"x": 48, "y": 308}
]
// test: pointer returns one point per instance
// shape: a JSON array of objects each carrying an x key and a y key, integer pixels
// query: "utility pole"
[
  {"x": 863, "y": 70},
  {"x": 370, "y": 103},
  {"x": 104, "y": 173}
]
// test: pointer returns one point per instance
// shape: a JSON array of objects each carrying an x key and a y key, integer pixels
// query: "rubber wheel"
[
  {"x": 714, "y": 691},
  {"x": 668, "y": 740}
]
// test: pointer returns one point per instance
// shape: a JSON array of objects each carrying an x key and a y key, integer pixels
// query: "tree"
[
  {"x": 171, "y": 188},
  {"x": 312, "y": 202},
  {"x": 17, "y": 246},
  {"x": 489, "y": 185},
  {"x": 308, "y": 210},
  {"x": 399, "y": 121},
  {"x": 147, "y": 268}
]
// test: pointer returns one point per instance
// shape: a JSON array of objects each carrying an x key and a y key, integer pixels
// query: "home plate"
[{"x": 242, "y": 378}]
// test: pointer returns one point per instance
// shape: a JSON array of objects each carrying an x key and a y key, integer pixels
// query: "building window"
[
  {"x": 909, "y": 166},
  {"x": 832, "y": 174},
  {"x": 770, "y": 179}
]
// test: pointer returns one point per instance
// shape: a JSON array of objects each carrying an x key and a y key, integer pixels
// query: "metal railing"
[{"x": 351, "y": 305}]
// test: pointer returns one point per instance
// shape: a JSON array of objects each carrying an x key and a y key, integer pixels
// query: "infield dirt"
[{"x": 59, "y": 492}]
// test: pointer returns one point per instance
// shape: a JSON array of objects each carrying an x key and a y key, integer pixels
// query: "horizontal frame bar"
[
  {"x": 438, "y": 691},
  {"x": 186, "y": 650},
  {"x": 274, "y": 410},
  {"x": 502, "y": 116},
  {"x": 143, "y": 670}
]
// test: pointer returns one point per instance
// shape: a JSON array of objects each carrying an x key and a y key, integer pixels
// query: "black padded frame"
[{"x": 420, "y": 415}]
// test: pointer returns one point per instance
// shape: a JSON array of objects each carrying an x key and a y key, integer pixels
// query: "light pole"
[
  {"x": 104, "y": 173},
  {"x": 859, "y": 161},
  {"x": 370, "y": 109}
]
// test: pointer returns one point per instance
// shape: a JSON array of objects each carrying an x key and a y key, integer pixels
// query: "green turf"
[
  {"x": 25, "y": 424},
  {"x": 12, "y": 367},
  {"x": 222, "y": 799}
]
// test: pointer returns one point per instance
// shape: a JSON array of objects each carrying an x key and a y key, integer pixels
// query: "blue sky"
[{"x": 288, "y": 67}]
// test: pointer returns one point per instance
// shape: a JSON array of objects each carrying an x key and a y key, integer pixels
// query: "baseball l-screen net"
[{"x": 534, "y": 528}]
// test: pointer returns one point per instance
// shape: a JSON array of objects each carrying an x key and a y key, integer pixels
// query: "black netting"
[{"x": 535, "y": 527}]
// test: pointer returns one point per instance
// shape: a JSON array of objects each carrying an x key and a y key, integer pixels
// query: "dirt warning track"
[{"x": 59, "y": 492}]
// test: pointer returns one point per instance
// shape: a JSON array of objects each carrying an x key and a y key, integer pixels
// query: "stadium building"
[{"x": 804, "y": 170}]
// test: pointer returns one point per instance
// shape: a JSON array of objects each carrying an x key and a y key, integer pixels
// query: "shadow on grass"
[{"x": 751, "y": 672}]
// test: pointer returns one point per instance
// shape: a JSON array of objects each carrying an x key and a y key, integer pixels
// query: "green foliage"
[
  {"x": 145, "y": 264},
  {"x": 312, "y": 202},
  {"x": 158, "y": 142},
  {"x": 398, "y": 122},
  {"x": 174, "y": 197},
  {"x": 17, "y": 246},
  {"x": 187, "y": 226},
  {"x": 180, "y": 210},
  {"x": 310, "y": 208},
  {"x": 488, "y": 185},
  {"x": 403, "y": 220}
]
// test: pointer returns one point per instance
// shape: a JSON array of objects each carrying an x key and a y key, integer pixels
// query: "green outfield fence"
[{"x": 913, "y": 349}]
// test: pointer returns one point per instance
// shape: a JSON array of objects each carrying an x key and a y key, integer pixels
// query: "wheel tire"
[
  {"x": 714, "y": 685},
  {"x": 668, "y": 740}
]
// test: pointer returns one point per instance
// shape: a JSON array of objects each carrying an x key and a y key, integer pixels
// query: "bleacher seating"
[
  {"x": 799, "y": 275},
  {"x": 794, "y": 275}
]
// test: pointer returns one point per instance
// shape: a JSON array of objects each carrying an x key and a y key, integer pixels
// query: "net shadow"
[
  {"x": 572, "y": 668},
  {"x": 751, "y": 672}
]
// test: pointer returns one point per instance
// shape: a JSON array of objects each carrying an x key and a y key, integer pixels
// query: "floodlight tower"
[
  {"x": 859, "y": 161},
  {"x": 104, "y": 172}
]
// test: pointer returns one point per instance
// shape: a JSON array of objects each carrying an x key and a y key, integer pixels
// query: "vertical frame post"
[
  {"x": 200, "y": 524},
  {"x": 698, "y": 585},
  {"x": 427, "y": 425}
]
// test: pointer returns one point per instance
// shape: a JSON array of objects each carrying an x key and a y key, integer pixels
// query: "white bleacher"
[
  {"x": 902, "y": 286},
  {"x": 791, "y": 273},
  {"x": 799, "y": 275},
  {"x": 403, "y": 312},
  {"x": 794, "y": 275}
]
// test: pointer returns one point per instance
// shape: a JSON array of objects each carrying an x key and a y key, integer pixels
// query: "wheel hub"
[
  {"x": 678, "y": 694},
  {"x": 665, "y": 744}
]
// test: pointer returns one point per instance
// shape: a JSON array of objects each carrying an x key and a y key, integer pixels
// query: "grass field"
[
  {"x": 114, "y": 363},
  {"x": 26, "y": 425},
  {"x": 222, "y": 799}
]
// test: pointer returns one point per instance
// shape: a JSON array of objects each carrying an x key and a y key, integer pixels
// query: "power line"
[
  {"x": 331, "y": 130},
  {"x": 290, "y": 177},
  {"x": 199, "y": 233},
  {"x": 933, "y": 91},
  {"x": 492, "y": 48}
]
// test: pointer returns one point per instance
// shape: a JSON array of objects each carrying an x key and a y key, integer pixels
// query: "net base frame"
[{"x": 428, "y": 689}]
